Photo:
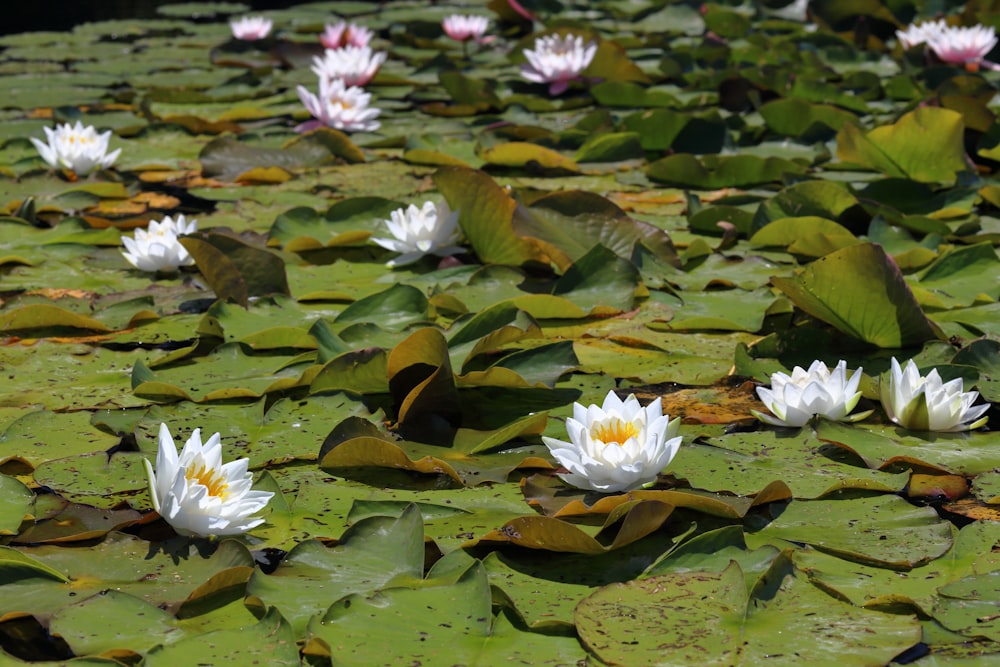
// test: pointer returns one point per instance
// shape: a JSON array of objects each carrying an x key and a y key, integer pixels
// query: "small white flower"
[
  {"x": 429, "y": 230},
  {"x": 557, "y": 60},
  {"x": 925, "y": 403},
  {"x": 354, "y": 65},
  {"x": 199, "y": 495},
  {"x": 157, "y": 248},
  {"x": 341, "y": 34},
  {"x": 76, "y": 148},
  {"x": 339, "y": 106},
  {"x": 465, "y": 28},
  {"x": 797, "y": 398},
  {"x": 962, "y": 46},
  {"x": 915, "y": 34},
  {"x": 619, "y": 446},
  {"x": 251, "y": 28}
]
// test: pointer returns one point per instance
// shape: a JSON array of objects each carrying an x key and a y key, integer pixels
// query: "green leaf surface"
[{"x": 860, "y": 291}]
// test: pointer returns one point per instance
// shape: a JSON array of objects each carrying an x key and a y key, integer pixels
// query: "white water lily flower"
[
  {"x": 463, "y": 28},
  {"x": 354, "y": 65},
  {"x": 339, "y": 106},
  {"x": 429, "y": 230},
  {"x": 76, "y": 148},
  {"x": 557, "y": 60},
  {"x": 198, "y": 494},
  {"x": 619, "y": 446},
  {"x": 925, "y": 403},
  {"x": 915, "y": 34},
  {"x": 963, "y": 46},
  {"x": 157, "y": 248},
  {"x": 341, "y": 34},
  {"x": 251, "y": 28},
  {"x": 795, "y": 399}
]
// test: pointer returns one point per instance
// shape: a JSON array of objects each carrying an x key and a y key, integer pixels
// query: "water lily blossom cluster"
[
  {"x": 341, "y": 34},
  {"x": 431, "y": 229},
  {"x": 339, "y": 106},
  {"x": 618, "y": 446},
  {"x": 76, "y": 148},
  {"x": 557, "y": 60},
  {"x": 347, "y": 64},
  {"x": 251, "y": 28},
  {"x": 954, "y": 45},
  {"x": 354, "y": 65},
  {"x": 198, "y": 494},
  {"x": 464, "y": 28},
  {"x": 157, "y": 248},
  {"x": 926, "y": 403},
  {"x": 795, "y": 399}
]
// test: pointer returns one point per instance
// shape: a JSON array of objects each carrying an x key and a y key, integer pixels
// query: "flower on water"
[
  {"x": 354, "y": 65},
  {"x": 915, "y": 34},
  {"x": 339, "y": 106},
  {"x": 339, "y": 35},
  {"x": 251, "y": 28},
  {"x": 157, "y": 248},
  {"x": 465, "y": 28},
  {"x": 795, "y": 399},
  {"x": 963, "y": 46},
  {"x": 557, "y": 60},
  {"x": 429, "y": 230},
  {"x": 925, "y": 403},
  {"x": 76, "y": 148},
  {"x": 198, "y": 494},
  {"x": 619, "y": 446}
]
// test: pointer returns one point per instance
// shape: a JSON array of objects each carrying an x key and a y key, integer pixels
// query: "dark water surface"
[{"x": 20, "y": 16}]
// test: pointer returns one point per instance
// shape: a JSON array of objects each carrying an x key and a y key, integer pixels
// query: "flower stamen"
[
  {"x": 211, "y": 478},
  {"x": 614, "y": 431}
]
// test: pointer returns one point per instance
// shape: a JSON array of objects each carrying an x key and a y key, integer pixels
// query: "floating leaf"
[
  {"x": 649, "y": 634},
  {"x": 924, "y": 145},
  {"x": 712, "y": 171},
  {"x": 860, "y": 291}
]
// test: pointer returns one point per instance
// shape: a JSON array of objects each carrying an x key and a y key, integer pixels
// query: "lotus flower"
[
  {"x": 920, "y": 33},
  {"x": 557, "y": 60},
  {"x": 251, "y": 28},
  {"x": 619, "y": 446},
  {"x": 796, "y": 399},
  {"x": 465, "y": 28},
  {"x": 76, "y": 148},
  {"x": 354, "y": 65},
  {"x": 199, "y": 495},
  {"x": 925, "y": 403},
  {"x": 157, "y": 248},
  {"x": 339, "y": 106},
  {"x": 963, "y": 46},
  {"x": 429, "y": 230},
  {"x": 342, "y": 34}
]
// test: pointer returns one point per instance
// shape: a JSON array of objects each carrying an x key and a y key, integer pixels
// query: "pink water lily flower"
[
  {"x": 339, "y": 106},
  {"x": 964, "y": 46},
  {"x": 354, "y": 65},
  {"x": 465, "y": 28},
  {"x": 557, "y": 60},
  {"x": 339, "y": 35},
  {"x": 251, "y": 28}
]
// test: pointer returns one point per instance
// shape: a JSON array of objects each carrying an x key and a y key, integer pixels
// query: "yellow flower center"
[
  {"x": 615, "y": 430},
  {"x": 210, "y": 478}
]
